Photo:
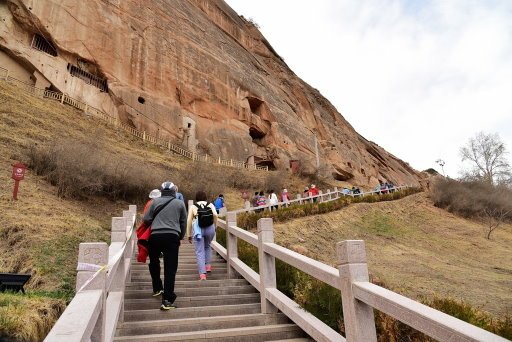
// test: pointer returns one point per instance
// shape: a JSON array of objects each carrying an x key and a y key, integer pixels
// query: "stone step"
[
  {"x": 241, "y": 334},
  {"x": 195, "y": 276},
  {"x": 189, "y": 312},
  {"x": 183, "y": 302},
  {"x": 294, "y": 340},
  {"x": 180, "y": 284},
  {"x": 194, "y": 291},
  {"x": 181, "y": 271},
  {"x": 191, "y": 266},
  {"x": 199, "y": 323},
  {"x": 185, "y": 260}
]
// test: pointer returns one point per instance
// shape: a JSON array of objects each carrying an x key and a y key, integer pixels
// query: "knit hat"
[
  {"x": 167, "y": 185},
  {"x": 155, "y": 193}
]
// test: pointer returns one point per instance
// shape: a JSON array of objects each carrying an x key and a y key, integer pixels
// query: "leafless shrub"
[
  {"x": 474, "y": 199},
  {"x": 81, "y": 168}
]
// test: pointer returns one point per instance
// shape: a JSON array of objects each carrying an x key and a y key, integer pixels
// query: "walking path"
[{"x": 218, "y": 309}]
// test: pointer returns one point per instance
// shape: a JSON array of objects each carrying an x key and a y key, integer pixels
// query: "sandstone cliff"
[{"x": 194, "y": 72}]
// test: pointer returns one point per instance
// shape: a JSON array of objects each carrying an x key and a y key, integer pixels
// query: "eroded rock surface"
[{"x": 198, "y": 74}]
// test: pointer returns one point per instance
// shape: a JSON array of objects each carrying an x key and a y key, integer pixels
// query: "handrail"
[
  {"x": 97, "y": 305},
  {"x": 359, "y": 296},
  {"x": 337, "y": 194},
  {"x": 434, "y": 323},
  {"x": 66, "y": 99}
]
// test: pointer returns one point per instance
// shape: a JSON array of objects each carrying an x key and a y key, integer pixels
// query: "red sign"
[{"x": 18, "y": 171}]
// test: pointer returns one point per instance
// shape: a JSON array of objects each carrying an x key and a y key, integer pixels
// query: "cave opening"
[
  {"x": 268, "y": 163},
  {"x": 256, "y": 105},
  {"x": 256, "y": 134},
  {"x": 141, "y": 100}
]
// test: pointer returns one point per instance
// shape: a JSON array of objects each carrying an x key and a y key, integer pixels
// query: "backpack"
[{"x": 204, "y": 215}]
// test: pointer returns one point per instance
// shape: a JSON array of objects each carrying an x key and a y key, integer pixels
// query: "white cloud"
[{"x": 417, "y": 77}]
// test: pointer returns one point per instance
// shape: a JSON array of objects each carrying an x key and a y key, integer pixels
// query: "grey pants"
[{"x": 203, "y": 249}]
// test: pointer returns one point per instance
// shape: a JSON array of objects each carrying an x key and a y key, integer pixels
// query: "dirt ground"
[{"x": 416, "y": 249}]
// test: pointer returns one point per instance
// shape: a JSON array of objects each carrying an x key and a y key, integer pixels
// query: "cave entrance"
[
  {"x": 268, "y": 163},
  {"x": 256, "y": 134},
  {"x": 256, "y": 105}
]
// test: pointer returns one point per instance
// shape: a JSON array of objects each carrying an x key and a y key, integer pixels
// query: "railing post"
[
  {"x": 267, "y": 264},
  {"x": 336, "y": 193},
  {"x": 299, "y": 198},
  {"x": 328, "y": 194},
  {"x": 118, "y": 233},
  {"x": 62, "y": 98},
  {"x": 358, "y": 316},
  {"x": 95, "y": 253},
  {"x": 232, "y": 245},
  {"x": 320, "y": 196},
  {"x": 231, "y": 162},
  {"x": 144, "y": 136},
  {"x": 7, "y": 75}
]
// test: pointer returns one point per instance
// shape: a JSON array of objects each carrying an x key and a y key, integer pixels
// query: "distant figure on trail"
[
  {"x": 201, "y": 222},
  {"x": 245, "y": 198},
  {"x": 261, "y": 202},
  {"x": 285, "y": 197},
  {"x": 168, "y": 219},
  {"x": 273, "y": 200},
  {"x": 254, "y": 201},
  {"x": 345, "y": 191},
  {"x": 155, "y": 193},
  {"x": 306, "y": 193},
  {"x": 383, "y": 188},
  {"x": 180, "y": 196},
  {"x": 219, "y": 203},
  {"x": 356, "y": 191},
  {"x": 314, "y": 192}
]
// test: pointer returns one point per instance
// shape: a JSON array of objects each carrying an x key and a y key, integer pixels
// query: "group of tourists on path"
[{"x": 166, "y": 222}]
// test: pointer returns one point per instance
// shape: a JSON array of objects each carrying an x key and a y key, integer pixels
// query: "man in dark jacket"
[{"x": 168, "y": 219}]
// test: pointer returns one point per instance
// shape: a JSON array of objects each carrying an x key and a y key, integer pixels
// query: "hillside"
[
  {"x": 416, "y": 249},
  {"x": 40, "y": 232}
]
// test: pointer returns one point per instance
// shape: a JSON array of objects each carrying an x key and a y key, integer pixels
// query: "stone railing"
[
  {"x": 89, "y": 110},
  {"x": 103, "y": 270},
  {"x": 359, "y": 296},
  {"x": 328, "y": 196}
]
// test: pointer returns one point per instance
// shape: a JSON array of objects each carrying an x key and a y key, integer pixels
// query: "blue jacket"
[{"x": 219, "y": 203}]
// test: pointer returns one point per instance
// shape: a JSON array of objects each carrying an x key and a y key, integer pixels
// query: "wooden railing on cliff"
[
  {"x": 98, "y": 305},
  {"x": 89, "y": 110}
]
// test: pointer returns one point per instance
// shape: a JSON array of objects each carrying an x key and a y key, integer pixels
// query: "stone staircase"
[{"x": 218, "y": 309}]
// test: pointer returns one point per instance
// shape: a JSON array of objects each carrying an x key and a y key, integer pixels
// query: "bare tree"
[
  {"x": 495, "y": 216},
  {"x": 487, "y": 155}
]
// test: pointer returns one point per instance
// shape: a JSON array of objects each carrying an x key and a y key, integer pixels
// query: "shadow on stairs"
[{"x": 218, "y": 309}]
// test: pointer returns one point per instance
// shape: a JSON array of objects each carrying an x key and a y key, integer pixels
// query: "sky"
[{"x": 417, "y": 77}]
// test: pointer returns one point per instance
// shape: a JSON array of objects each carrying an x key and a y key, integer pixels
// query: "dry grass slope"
[{"x": 417, "y": 249}]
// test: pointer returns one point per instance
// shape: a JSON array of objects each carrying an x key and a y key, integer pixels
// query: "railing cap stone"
[{"x": 351, "y": 252}]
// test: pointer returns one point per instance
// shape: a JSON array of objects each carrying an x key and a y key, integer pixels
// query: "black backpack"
[{"x": 204, "y": 215}]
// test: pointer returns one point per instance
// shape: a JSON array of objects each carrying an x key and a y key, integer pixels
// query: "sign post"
[{"x": 18, "y": 174}]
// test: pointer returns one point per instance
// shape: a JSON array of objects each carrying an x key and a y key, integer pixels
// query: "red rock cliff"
[{"x": 197, "y": 73}]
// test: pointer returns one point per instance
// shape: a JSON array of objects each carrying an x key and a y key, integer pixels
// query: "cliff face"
[{"x": 195, "y": 72}]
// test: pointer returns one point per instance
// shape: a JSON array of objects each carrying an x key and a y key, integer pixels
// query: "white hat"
[
  {"x": 167, "y": 185},
  {"x": 155, "y": 193},
  {"x": 284, "y": 190}
]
